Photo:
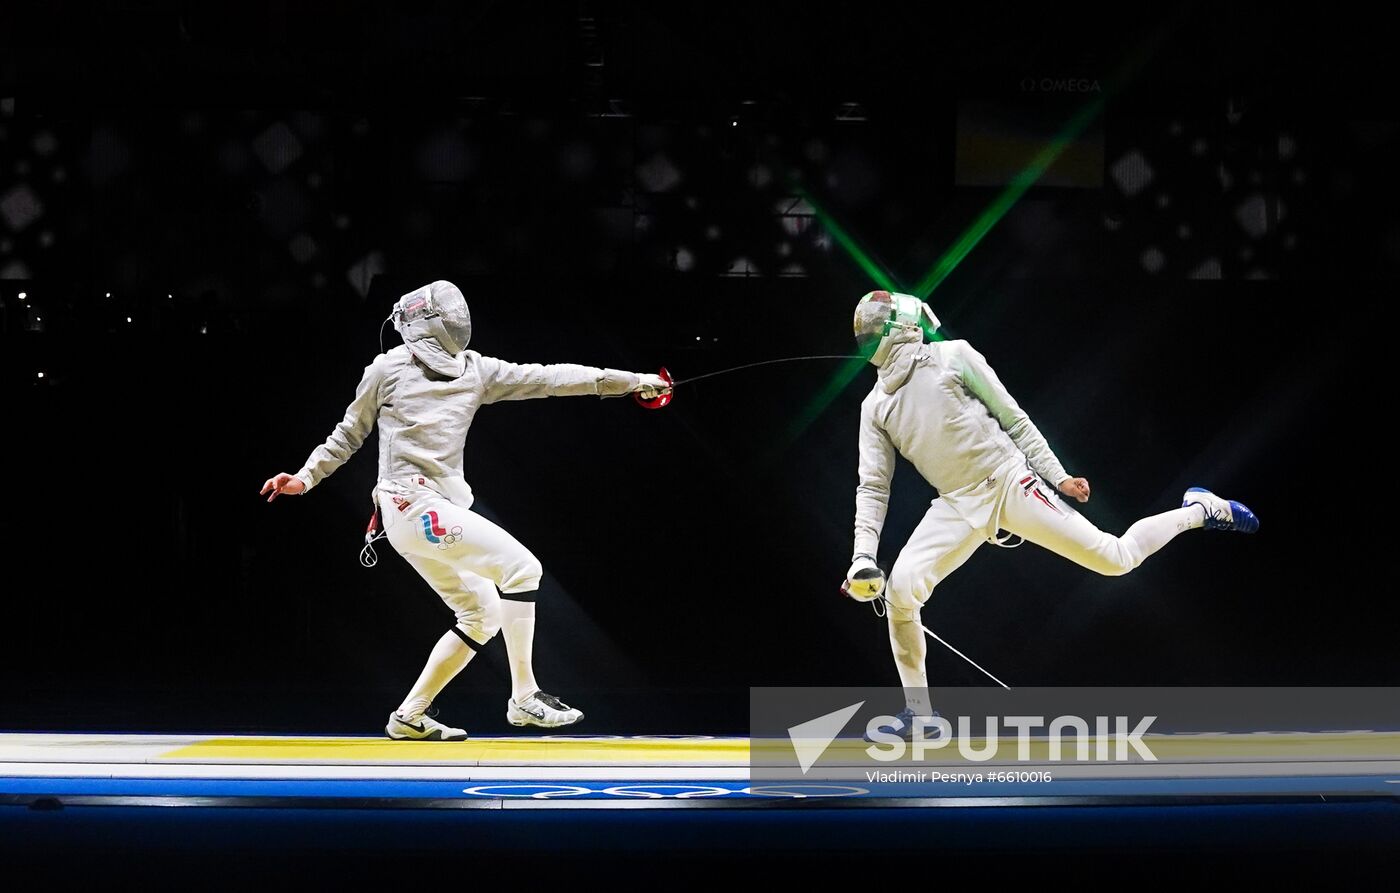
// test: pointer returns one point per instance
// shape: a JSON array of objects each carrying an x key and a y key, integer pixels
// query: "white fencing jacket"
[
  {"x": 423, "y": 415},
  {"x": 944, "y": 409}
]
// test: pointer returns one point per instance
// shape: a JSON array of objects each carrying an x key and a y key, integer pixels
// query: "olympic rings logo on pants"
[{"x": 435, "y": 533}]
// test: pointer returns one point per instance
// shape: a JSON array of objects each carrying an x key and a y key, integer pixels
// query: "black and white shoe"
[
  {"x": 903, "y": 726},
  {"x": 424, "y": 728},
  {"x": 543, "y": 710}
]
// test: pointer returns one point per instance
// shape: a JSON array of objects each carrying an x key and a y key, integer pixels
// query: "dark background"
[{"x": 618, "y": 184}]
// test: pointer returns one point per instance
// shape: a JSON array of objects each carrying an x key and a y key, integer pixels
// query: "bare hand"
[
  {"x": 1076, "y": 489},
  {"x": 282, "y": 483}
]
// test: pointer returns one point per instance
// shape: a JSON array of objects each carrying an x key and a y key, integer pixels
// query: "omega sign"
[{"x": 1060, "y": 85}]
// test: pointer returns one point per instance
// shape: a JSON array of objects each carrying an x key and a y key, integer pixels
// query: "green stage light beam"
[
  {"x": 1019, "y": 185},
  {"x": 864, "y": 259}
]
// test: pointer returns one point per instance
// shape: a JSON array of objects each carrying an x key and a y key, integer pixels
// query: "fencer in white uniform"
[
  {"x": 939, "y": 404},
  {"x": 424, "y": 395}
]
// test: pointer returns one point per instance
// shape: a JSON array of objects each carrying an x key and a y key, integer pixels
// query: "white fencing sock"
[
  {"x": 910, "y": 648},
  {"x": 518, "y": 628},
  {"x": 1154, "y": 532},
  {"x": 449, "y": 656}
]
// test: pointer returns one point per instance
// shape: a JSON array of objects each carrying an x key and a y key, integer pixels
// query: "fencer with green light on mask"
[{"x": 939, "y": 404}]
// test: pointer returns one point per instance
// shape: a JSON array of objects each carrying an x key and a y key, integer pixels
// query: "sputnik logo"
[{"x": 811, "y": 738}]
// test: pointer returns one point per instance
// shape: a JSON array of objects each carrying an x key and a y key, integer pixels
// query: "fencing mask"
[
  {"x": 436, "y": 326},
  {"x": 884, "y": 319}
]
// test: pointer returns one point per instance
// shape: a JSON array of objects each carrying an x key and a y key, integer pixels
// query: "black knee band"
[
  {"x": 520, "y": 596},
  {"x": 471, "y": 643}
]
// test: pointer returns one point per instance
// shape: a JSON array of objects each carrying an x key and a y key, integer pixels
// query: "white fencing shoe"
[
  {"x": 425, "y": 729},
  {"x": 543, "y": 710}
]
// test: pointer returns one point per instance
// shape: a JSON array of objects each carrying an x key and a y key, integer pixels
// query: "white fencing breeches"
[
  {"x": 1030, "y": 509},
  {"x": 463, "y": 556},
  {"x": 1033, "y": 510}
]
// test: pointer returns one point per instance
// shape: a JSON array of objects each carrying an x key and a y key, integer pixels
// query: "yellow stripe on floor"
[{"x": 483, "y": 752}]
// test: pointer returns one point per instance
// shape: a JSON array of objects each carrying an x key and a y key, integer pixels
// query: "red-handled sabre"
[
  {"x": 660, "y": 400},
  {"x": 665, "y": 399}
]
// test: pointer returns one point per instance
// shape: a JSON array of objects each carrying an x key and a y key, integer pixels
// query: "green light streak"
[
  {"x": 847, "y": 371},
  {"x": 864, "y": 259},
  {"x": 1024, "y": 180},
  {"x": 839, "y": 381},
  {"x": 977, "y": 230},
  {"x": 959, "y": 250},
  {"x": 1003, "y": 203},
  {"x": 979, "y": 227}
]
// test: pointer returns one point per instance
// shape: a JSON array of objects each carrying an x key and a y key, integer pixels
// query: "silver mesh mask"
[{"x": 437, "y": 311}]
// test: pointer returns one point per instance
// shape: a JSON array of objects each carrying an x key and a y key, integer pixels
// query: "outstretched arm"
[
  {"x": 347, "y": 437},
  {"x": 527, "y": 381},
  {"x": 983, "y": 383},
  {"x": 877, "y": 458}
]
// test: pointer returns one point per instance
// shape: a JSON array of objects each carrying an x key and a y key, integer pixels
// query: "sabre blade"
[
  {"x": 766, "y": 363},
  {"x": 941, "y": 641}
]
